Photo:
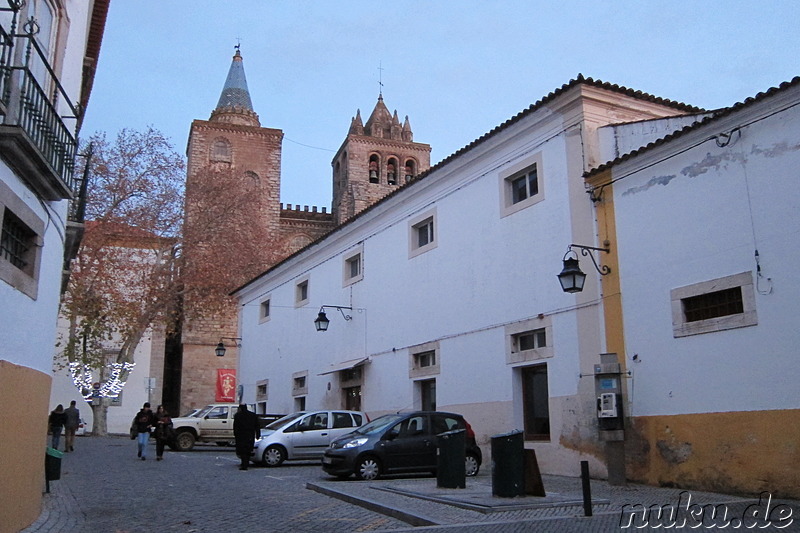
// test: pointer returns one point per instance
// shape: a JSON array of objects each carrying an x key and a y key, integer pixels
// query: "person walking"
[
  {"x": 144, "y": 421},
  {"x": 163, "y": 432},
  {"x": 245, "y": 431},
  {"x": 55, "y": 423},
  {"x": 73, "y": 418}
]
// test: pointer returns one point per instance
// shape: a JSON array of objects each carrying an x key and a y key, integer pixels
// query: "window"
[
  {"x": 353, "y": 268},
  {"x": 427, "y": 394},
  {"x": 530, "y": 340},
  {"x": 263, "y": 312},
  {"x": 350, "y": 374},
  {"x": 262, "y": 391},
  {"x": 301, "y": 293},
  {"x": 524, "y": 186},
  {"x": 221, "y": 150},
  {"x": 424, "y": 360},
  {"x": 17, "y": 242},
  {"x": 300, "y": 383},
  {"x": 217, "y": 413},
  {"x": 422, "y": 234},
  {"x": 521, "y": 185},
  {"x": 536, "y": 402},
  {"x": 342, "y": 420},
  {"x": 714, "y": 305},
  {"x": 21, "y": 243}
]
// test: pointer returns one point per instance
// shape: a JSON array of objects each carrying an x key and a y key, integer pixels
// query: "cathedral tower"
[
  {"x": 232, "y": 213},
  {"x": 375, "y": 159}
]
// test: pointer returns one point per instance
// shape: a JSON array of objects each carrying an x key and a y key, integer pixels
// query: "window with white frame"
[
  {"x": 422, "y": 233},
  {"x": 264, "y": 310},
  {"x": 521, "y": 185},
  {"x": 530, "y": 340},
  {"x": 353, "y": 267},
  {"x": 714, "y": 305},
  {"x": 301, "y": 293}
]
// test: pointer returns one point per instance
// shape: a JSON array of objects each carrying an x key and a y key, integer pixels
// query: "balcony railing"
[{"x": 32, "y": 98}]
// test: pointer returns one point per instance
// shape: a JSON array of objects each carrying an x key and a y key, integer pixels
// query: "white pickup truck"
[{"x": 212, "y": 423}]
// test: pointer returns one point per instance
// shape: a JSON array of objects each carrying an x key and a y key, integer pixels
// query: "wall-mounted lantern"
[{"x": 572, "y": 277}]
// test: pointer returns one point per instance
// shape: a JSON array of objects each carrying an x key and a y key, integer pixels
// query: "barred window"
[
  {"x": 713, "y": 304},
  {"x": 17, "y": 241}
]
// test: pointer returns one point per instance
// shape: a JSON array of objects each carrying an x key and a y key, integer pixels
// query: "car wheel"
[
  {"x": 274, "y": 456},
  {"x": 368, "y": 468},
  {"x": 472, "y": 465},
  {"x": 184, "y": 441}
]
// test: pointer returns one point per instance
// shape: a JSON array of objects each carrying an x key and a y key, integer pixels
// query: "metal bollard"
[{"x": 587, "y": 489}]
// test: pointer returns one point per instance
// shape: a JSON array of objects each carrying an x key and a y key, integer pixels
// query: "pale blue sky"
[{"x": 456, "y": 68}]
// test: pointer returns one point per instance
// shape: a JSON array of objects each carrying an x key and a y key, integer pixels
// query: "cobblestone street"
[{"x": 104, "y": 487}]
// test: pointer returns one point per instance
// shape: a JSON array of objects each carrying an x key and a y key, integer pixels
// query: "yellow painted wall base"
[
  {"x": 24, "y": 395},
  {"x": 743, "y": 452}
]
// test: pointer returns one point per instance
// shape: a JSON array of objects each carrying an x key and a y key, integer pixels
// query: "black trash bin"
[
  {"x": 52, "y": 466},
  {"x": 450, "y": 460},
  {"x": 508, "y": 471}
]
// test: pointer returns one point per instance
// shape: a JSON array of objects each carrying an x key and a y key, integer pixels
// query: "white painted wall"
[
  {"x": 486, "y": 272},
  {"x": 700, "y": 215}
]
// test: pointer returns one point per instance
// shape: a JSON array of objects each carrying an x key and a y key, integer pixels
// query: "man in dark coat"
[{"x": 246, "y": 431}]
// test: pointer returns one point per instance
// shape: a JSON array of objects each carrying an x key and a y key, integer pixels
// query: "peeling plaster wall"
[{"x": 689, "y": 212}]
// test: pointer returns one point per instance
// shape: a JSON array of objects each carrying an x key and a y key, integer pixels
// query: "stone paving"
[{"x": 104, "y": 487}]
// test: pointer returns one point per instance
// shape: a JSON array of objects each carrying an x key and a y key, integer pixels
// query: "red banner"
[{"x": 226, "y": 384}]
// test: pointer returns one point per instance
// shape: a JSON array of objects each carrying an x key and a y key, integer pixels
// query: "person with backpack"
[{"x": 144, "y": 421}]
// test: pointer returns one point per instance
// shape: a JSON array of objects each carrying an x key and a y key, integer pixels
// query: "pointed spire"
[
  {"x": 408, "y": 135},
  {"x": 379, "y": 122},
  {"x": 356, "y": 126},
  {"x": 234, "y": 103}
]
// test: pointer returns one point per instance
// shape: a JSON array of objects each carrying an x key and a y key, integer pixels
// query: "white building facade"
[
  {"x": 444, "y": 295},
  {"x": 45, "y": 79},
  {"x": 707, "y": 244}
]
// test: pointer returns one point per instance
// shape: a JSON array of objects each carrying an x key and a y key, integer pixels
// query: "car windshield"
[
  {"x": 378, "y": 424},
  {"x": 279, "y": 423}
]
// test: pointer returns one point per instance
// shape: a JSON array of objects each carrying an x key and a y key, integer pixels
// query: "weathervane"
[{"x": 380, "y": 79}]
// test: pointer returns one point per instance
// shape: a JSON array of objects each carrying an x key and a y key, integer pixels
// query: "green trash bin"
[
  {"x": 508, "y": 471},
  {"x": 450, "y": 459},
  {"x": 52, "y": 466}
]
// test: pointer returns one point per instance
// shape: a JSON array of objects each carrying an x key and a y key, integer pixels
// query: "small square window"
[
  {"x": 300, "y": 383},
  {"x": 18, "y": 242},
  {"x": 424, "y": 360},
  {"x": 353, "y": 268},
  {"x": 301, "y": 293},
  {"x": 422, "y": 234},
  {"x": 521, "y": 185}
]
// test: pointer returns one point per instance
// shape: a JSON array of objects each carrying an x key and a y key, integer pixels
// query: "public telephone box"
[{"x": 608, "y": 389}]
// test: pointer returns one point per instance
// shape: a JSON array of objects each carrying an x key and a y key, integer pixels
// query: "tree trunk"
[{"x": 100, "y": 413}]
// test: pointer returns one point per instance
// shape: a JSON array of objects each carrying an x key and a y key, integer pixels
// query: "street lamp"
[
  {"x": 572, "y": 277},
  {"x": 322, "y": 322},
  {"x": 220, "y": 349}
]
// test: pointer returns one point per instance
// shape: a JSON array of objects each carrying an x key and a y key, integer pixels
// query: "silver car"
[{"x": 304, "y": 435}]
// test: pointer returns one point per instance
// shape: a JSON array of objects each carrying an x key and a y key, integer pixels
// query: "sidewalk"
[{"x": 420, "y": 503}]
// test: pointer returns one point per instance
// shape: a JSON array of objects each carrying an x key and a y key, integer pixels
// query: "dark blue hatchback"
[{"x": 404, "y": 442}]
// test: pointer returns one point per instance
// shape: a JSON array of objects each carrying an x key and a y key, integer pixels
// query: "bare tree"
[{"x": 136, "y": 267}]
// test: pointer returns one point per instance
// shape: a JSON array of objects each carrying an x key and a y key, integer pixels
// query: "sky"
[{"x": 456, "y": 68}]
